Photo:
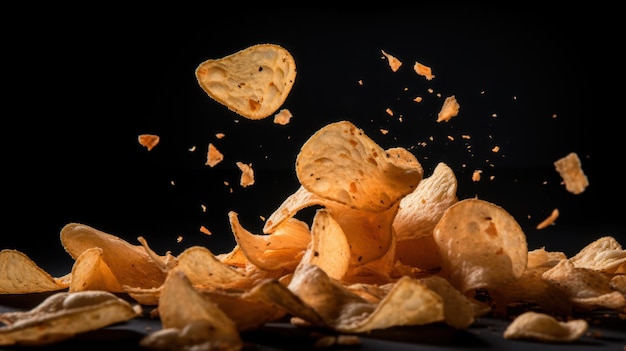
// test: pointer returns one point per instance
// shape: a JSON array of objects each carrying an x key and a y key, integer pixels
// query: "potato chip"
[
  {"x": 340, "y": 163},
  {"x": 481, "y": 244},
  {"x": 130, "y": 264},
  {"x": 603, "y": 255},
  {"x": 543, "y": 327},
  {"x": 90, "y": 272},
  {"x": 420, "y": 210},
  {"x": 64, "y": 315},
  {"x": 449, "y": 109},
  {"x": 394, "y": 62},
  {"x": 149, "y": 140},
  {"x": 202, "y": 268},
  {"x": 21, "y": 275},
  {"x": 247, "y": 174},
  {"x": 570, "y": 169},
  {"x": 423, "y": 70},
  {"x": 189, "y": 319},
  {"x": 214, "y": 156},
  {"x": 549, "y": 220},
  {"x": 253, "y": 82}
]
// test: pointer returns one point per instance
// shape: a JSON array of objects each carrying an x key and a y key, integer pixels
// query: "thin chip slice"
[
  {"x": 64, "y": 315},
  {"x": 481, "y": 244},
  {"x": 543, "y": 327},
  {"x": 253, "y": 82},
  {"x": 449, "y": 109},
  {"x": 21, "y": 275},
  {"x": 570, "y": 169},
  {"x": 549, "y": 220}
]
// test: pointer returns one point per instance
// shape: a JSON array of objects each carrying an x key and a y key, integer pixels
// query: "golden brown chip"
[
  {"x": 90, "y": 272},
  {"x": 481, "y": 244},
  {"x": 149, "y": 140},
  {"x": 544, "y": 327},
  {"x": 394, "y": 62},
  {"x": 247, "y": 174},
  {"x": 21, "y": 275},
  {"x": 420, "y": 210},
  {"x": 214, "y": 156},
  {"x": 570, "y": 169},
  {"x": 130, "y": 264},
  {"x": 202, "y": 268},
  {"x": 549, "y": 220},
  {"x": 604, "y": 255},
  {"x": 190, "y": 319},
  {"x": 449, "y": 109},
  {"x": 423, "y": 70},
  {"x": 253, "y": 82},
  {"x": 64, "y": 315}
]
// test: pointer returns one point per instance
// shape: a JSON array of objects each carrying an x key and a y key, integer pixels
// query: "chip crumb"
[
  {"x": 220, "y": 135},
  {"x": 203, "y": 206},
  {"x": 360, "y": 82},
  {"x": 214, "y": 156},
  {"x": 389, "y": 111},
  {"x": 394, "y": 63},
  {"x": 384, "y": 131},
  {"x": 495, "y": 149},
  {"x": 247, "y": 174},
  {"x": 179, "y": 238},
  {"x": 205, "y": 230},
  {"x": 283, "y": 117},
  {"x": 449, "y": 109},
  {"x": 549, "y": 220},
  {"x": 418, "y": 99},
  {"x": 192, "y": 149},
  {"x": 423, "y": 70},
  {"x": 570, "y": 169},
  {"x": 476, "y": 175},
  {"x": 149, "y": 141}
]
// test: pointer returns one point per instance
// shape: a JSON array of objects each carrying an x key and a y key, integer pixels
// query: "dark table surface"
[{"x": 83, "y": 89}]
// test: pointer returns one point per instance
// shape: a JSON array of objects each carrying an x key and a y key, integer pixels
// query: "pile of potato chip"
[{"x": 388, "y": 246}]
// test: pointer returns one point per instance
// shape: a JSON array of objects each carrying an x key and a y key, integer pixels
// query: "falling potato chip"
[
  {"x": 64, "y": 315},
  {"x": 253, "y": 82},
  {"x": 394, "y": 62},
  {"x": 570, "y": 169},
  {"x": 543, "y": 327},
  {"x": 283, "y": 117},
  {"x": 340, "y": 163},
  {"x": 21, "y": 275},
  {"x": 214, "y": 156},
  {"x": 149, "y": 140},
  {"x": 449, "y": 109},
  {"x": 549, "y": 220},
  {"x": 423, "y": 70},
  {"x": 482, "y": 245}
]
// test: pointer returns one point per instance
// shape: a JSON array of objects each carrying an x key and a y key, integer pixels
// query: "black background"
[{"x": 79, "y": 89}]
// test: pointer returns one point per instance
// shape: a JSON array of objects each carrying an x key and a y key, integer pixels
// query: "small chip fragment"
[
  {"x": 549, "y": 220},
  {"x": 214, "y": 156},
  {"x": 423, "y": 70},
  {"x": 283, "y": 117},
  {"x": 247, "y": 174},
  {"x": 570, "y": 169},
  {"x": 148, "y": 140},
  {"x": 449, "y": 109},
  {"x": 394, "y": 63}
]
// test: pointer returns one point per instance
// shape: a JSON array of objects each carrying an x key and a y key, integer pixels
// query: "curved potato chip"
[
  {"x": 482, "y": 245},
  {"x": 130, "y": 264},
  {"x": 90, "y": 272},
  {"x": 281, "y": 249},
  {"x": 543, "y": 327},
  {"x": 63, "y": 315},
  {"x": 420, "y": 210},
  {"x": 253, "y": 82},
  {"x": 340, "y": 163},
  {"x": 21, "y": 275},
  {"x": 604, "y": 255},
  {"x": 329, "y": 248},
  {"x": 300, "y": 199},
  {"x": 202, "y": 268}
]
